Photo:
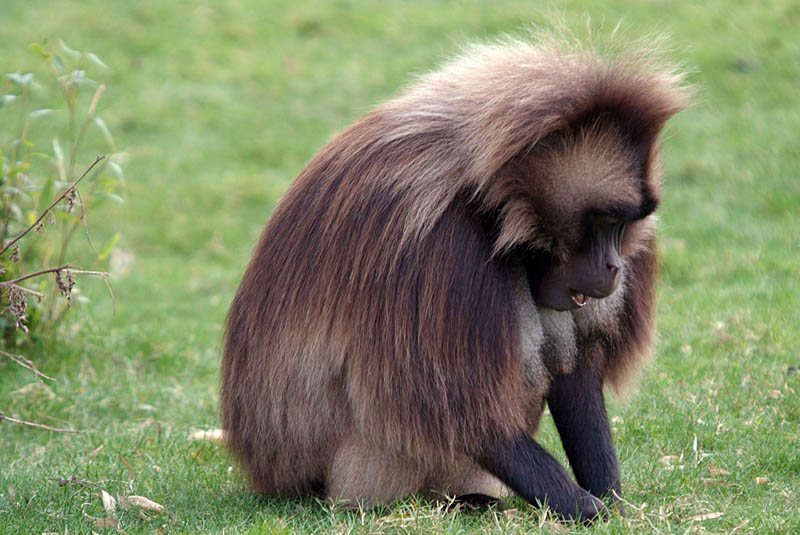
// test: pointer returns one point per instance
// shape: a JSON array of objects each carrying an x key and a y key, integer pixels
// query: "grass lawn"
[{"x": 221, "y": 104}]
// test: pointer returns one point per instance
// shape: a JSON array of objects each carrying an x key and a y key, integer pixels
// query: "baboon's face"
[
  {"x": 594, "y": 195},
  {"x": 594, "y": 270}
]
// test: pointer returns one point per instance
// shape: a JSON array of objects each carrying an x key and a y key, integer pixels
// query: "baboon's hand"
[{"x": 586, "y": 508}]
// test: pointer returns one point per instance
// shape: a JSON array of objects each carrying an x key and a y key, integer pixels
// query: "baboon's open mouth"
[{"x": 578, "y": 298}]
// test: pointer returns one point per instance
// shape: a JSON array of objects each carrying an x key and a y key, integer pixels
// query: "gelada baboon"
[{"x": 469, "y": 250}]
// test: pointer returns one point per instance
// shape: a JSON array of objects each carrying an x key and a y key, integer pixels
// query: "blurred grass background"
[{"x": 220, "y": 104}]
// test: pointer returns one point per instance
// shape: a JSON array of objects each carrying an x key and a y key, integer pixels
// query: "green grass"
[{"x": 220, "y": 106}]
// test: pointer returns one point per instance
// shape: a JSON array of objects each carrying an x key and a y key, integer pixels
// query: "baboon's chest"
[{"x": 550, "y": 339}]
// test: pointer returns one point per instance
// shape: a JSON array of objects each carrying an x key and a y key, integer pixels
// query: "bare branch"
[
  {"x": 61, "y": 197},
  {"x": 104, "y": 275},
  {"x": 83, "y": 220},
  {"x": 17, "y": 305},
  {"x": 14, "y": 282},
  {"x": 37, "y": 295},
  {"x": 25, "y": 363},
  {"x": 111, "y": 293},
  {"x": 38, "y": 426},
  {"x": 87, "y": 272}
]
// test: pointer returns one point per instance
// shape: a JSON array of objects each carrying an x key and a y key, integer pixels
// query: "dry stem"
[
  {"x": 25, "y": 363},
  {"x": 60, "y": 198},
  {"x": 38, "y": 426}
]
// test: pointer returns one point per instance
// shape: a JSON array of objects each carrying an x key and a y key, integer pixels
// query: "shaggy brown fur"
[{"x": 382, "y": 334}]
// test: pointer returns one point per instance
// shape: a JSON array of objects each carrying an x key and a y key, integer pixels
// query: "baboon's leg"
[
  {"x": 363, "y": 475},
  {"x": 469, "y": 478}
]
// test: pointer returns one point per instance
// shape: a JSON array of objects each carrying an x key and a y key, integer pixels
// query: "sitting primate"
[{"x": 471, "y": 249}]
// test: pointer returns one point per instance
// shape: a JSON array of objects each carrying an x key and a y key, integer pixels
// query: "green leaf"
[
  {"x": 97, "y": 61},
  {"x": 111, "y": 196},
  {"x": 16, "y": 212},
  {"x": 101, "y": 124},
  {"x": 78, "y": 77},
  {"x": 74, "y": 54},
  {"x": 35, "y": 114},
  {"x": 109, "y": 183},
  {"x": 39, "y": 49},
  {"x": 13, "y": 191},
  {"x": 7, "y": 99},
  {"x": 18, "y": 168},
  {"x": 117, "y": 169},
  {"x": 21, "y": 80},
  {"x": 109, "y": 246},
  {"x": 46, "y": 196},
  {"x": 62, "y": 215},
  {"x": 58, "y": 153}
]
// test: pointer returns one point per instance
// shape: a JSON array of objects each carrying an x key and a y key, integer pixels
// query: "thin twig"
[
  {"x": 85, "y": 272},
  {"x": 68, "y": 232},
  {"x": 52, "y": 205},
  {"x": 21, "y": 278},
  {"x": 15, "y": 282},
  {"x": 38, "y": 426},
  {"x": 25, "y": 363},
  {"x": 103, "y": 275},
  {"x": 38, "y": 295},
  {"x": 83, "y": 220}
]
